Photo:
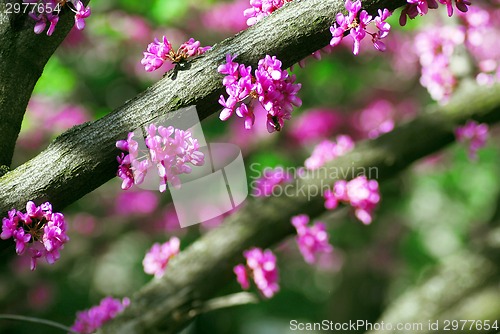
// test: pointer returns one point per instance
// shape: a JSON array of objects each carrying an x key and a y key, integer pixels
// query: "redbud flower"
[
  {"x": 261, "y": 266},
  {"x": 460, "y": 4},
  {"x": 328, "y": 150},
  {"x": 232, "y": 12},
  {"x": 420, "y": 7},
  {"x": 362, "y": 194},
  {"x": 242, "y": 276},
  {"x": 435, "y": 48},
  {"x": 273, "y": 87},
  {"x": 171, "y": 150},
  {"x": 376, "y": 119},
  {"x": 269, "y": 180},
  {"x": 39, "y": 230},
  {"x": 312, "y": 240},
  {"x": 90, "y": 320},
  {"x": 356, "y": 23},
  {"x": 81, "y": 13},
  {"x": 156, "y": 260},
  {"x": 160, "y": 51},
  {"x": 261, "y": 9},
  {"x": 475, "y": 135},
  {"x": 48, "y": 12},
  {"x": 130, "y": 169},
  {"x": 315, "y": 125}
]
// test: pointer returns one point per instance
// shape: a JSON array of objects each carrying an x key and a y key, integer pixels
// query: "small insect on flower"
[{"x": 276, "y": 123}]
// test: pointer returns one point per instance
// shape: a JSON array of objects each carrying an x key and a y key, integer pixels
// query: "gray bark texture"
[{"x": 23, "y": 55}]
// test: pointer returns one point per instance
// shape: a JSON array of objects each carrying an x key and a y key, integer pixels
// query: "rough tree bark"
[
  {"x": 23, "y": 56},
  {"x": 197, "y": 273}
]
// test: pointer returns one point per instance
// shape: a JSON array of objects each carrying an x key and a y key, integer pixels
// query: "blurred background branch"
[
  {"x": 464, "y": 286},
  {"x": 197, "y": 273}
]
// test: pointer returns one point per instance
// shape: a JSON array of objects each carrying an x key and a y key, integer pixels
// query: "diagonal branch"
[
  {"x": 83, "y": 158},
  {"x": 197, "y": 273},
  {"x": 23, "y": 55}
]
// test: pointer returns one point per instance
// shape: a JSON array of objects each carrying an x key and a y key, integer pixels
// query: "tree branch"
[
  {"x": 198, "y": 272},
  {"x": 83, "y": 158},
  {"x": 465, "y": 286},
  {"x": 23, "y": 55}
]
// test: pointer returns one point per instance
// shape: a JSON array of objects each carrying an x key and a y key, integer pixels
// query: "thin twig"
[{"x": 37, "y": 321}]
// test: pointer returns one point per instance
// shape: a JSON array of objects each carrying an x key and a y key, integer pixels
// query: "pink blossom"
[
  {"x": 90, "y": 320},
  {"x": 360, "y": 193},
  {"x": 356, "y": 23},
  {"x": 47, "y": 119},
  {"x": 261, "y": 266},
  {"x": 435, "y": 48},
  {"x": 192, "y": 48},
  {"x": 315, "y": 125},
  {"x": 81, "y": 13},
  {"x": 475, "y": 135},
  {"x": 156, "y": 54},
  {"x": 415, "y": 8},
  {"x": 312, "y": 240},
  {"x": 136, "y": 202},
  {"x": 242, "y": 276},
  {"x": 460, "y": 4},
  {"x": 9, "y": 225},
  {"x": 160, "y": 51},
  {"x": 156, "y": 260},
  {"x": 270, "y": 179},
  {"x": 482, "y": 32},
  {"x": 173, "y": 152},
  {"x": 39, "y": 230},
  {"x": 328, "y": 150},
  {"x": 261, "y": 9},
  {"x": 421, "y": 7},
  {"x": 48, "y": 12},
  {"x": 232, "y": 12},
  {"x": 21, "y": 240},
  {"x": 273, "y": 87},
  {"x": 376, "y": 119},
  {"x": 130, "y": 169}
]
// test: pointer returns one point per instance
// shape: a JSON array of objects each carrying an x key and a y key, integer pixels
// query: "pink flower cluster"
[
  {"x": 273, "y": 87},
  {"x": 311, "y": 240},
  {"x": 420, "y": 7},
  {"x": 315, "y": 125},
  {"x": 156, "y": 260},
  {"x": 328, "y": 150},
  {"x": 47, "y": 11},
  {"x": 270, "y": 179},
  {"x": 90, "y": 320},
  {"x": 362, "y": 194},
  {"x": 261, "y": 266},
  {"x": 475, "y": 135},
  {"x": 261, "y": 9},
  {"x": 482, "y": 31},
  {"x": 39, "y": 230},
  {"x": 376, "y": 119},
  {"x": 435, "y": 49},
  {"x": 232, "y": 12},
  {"x": 160, "y": 51},
  {"x": 171, "y": 150},
  {"x": 356, "y": 23}
]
